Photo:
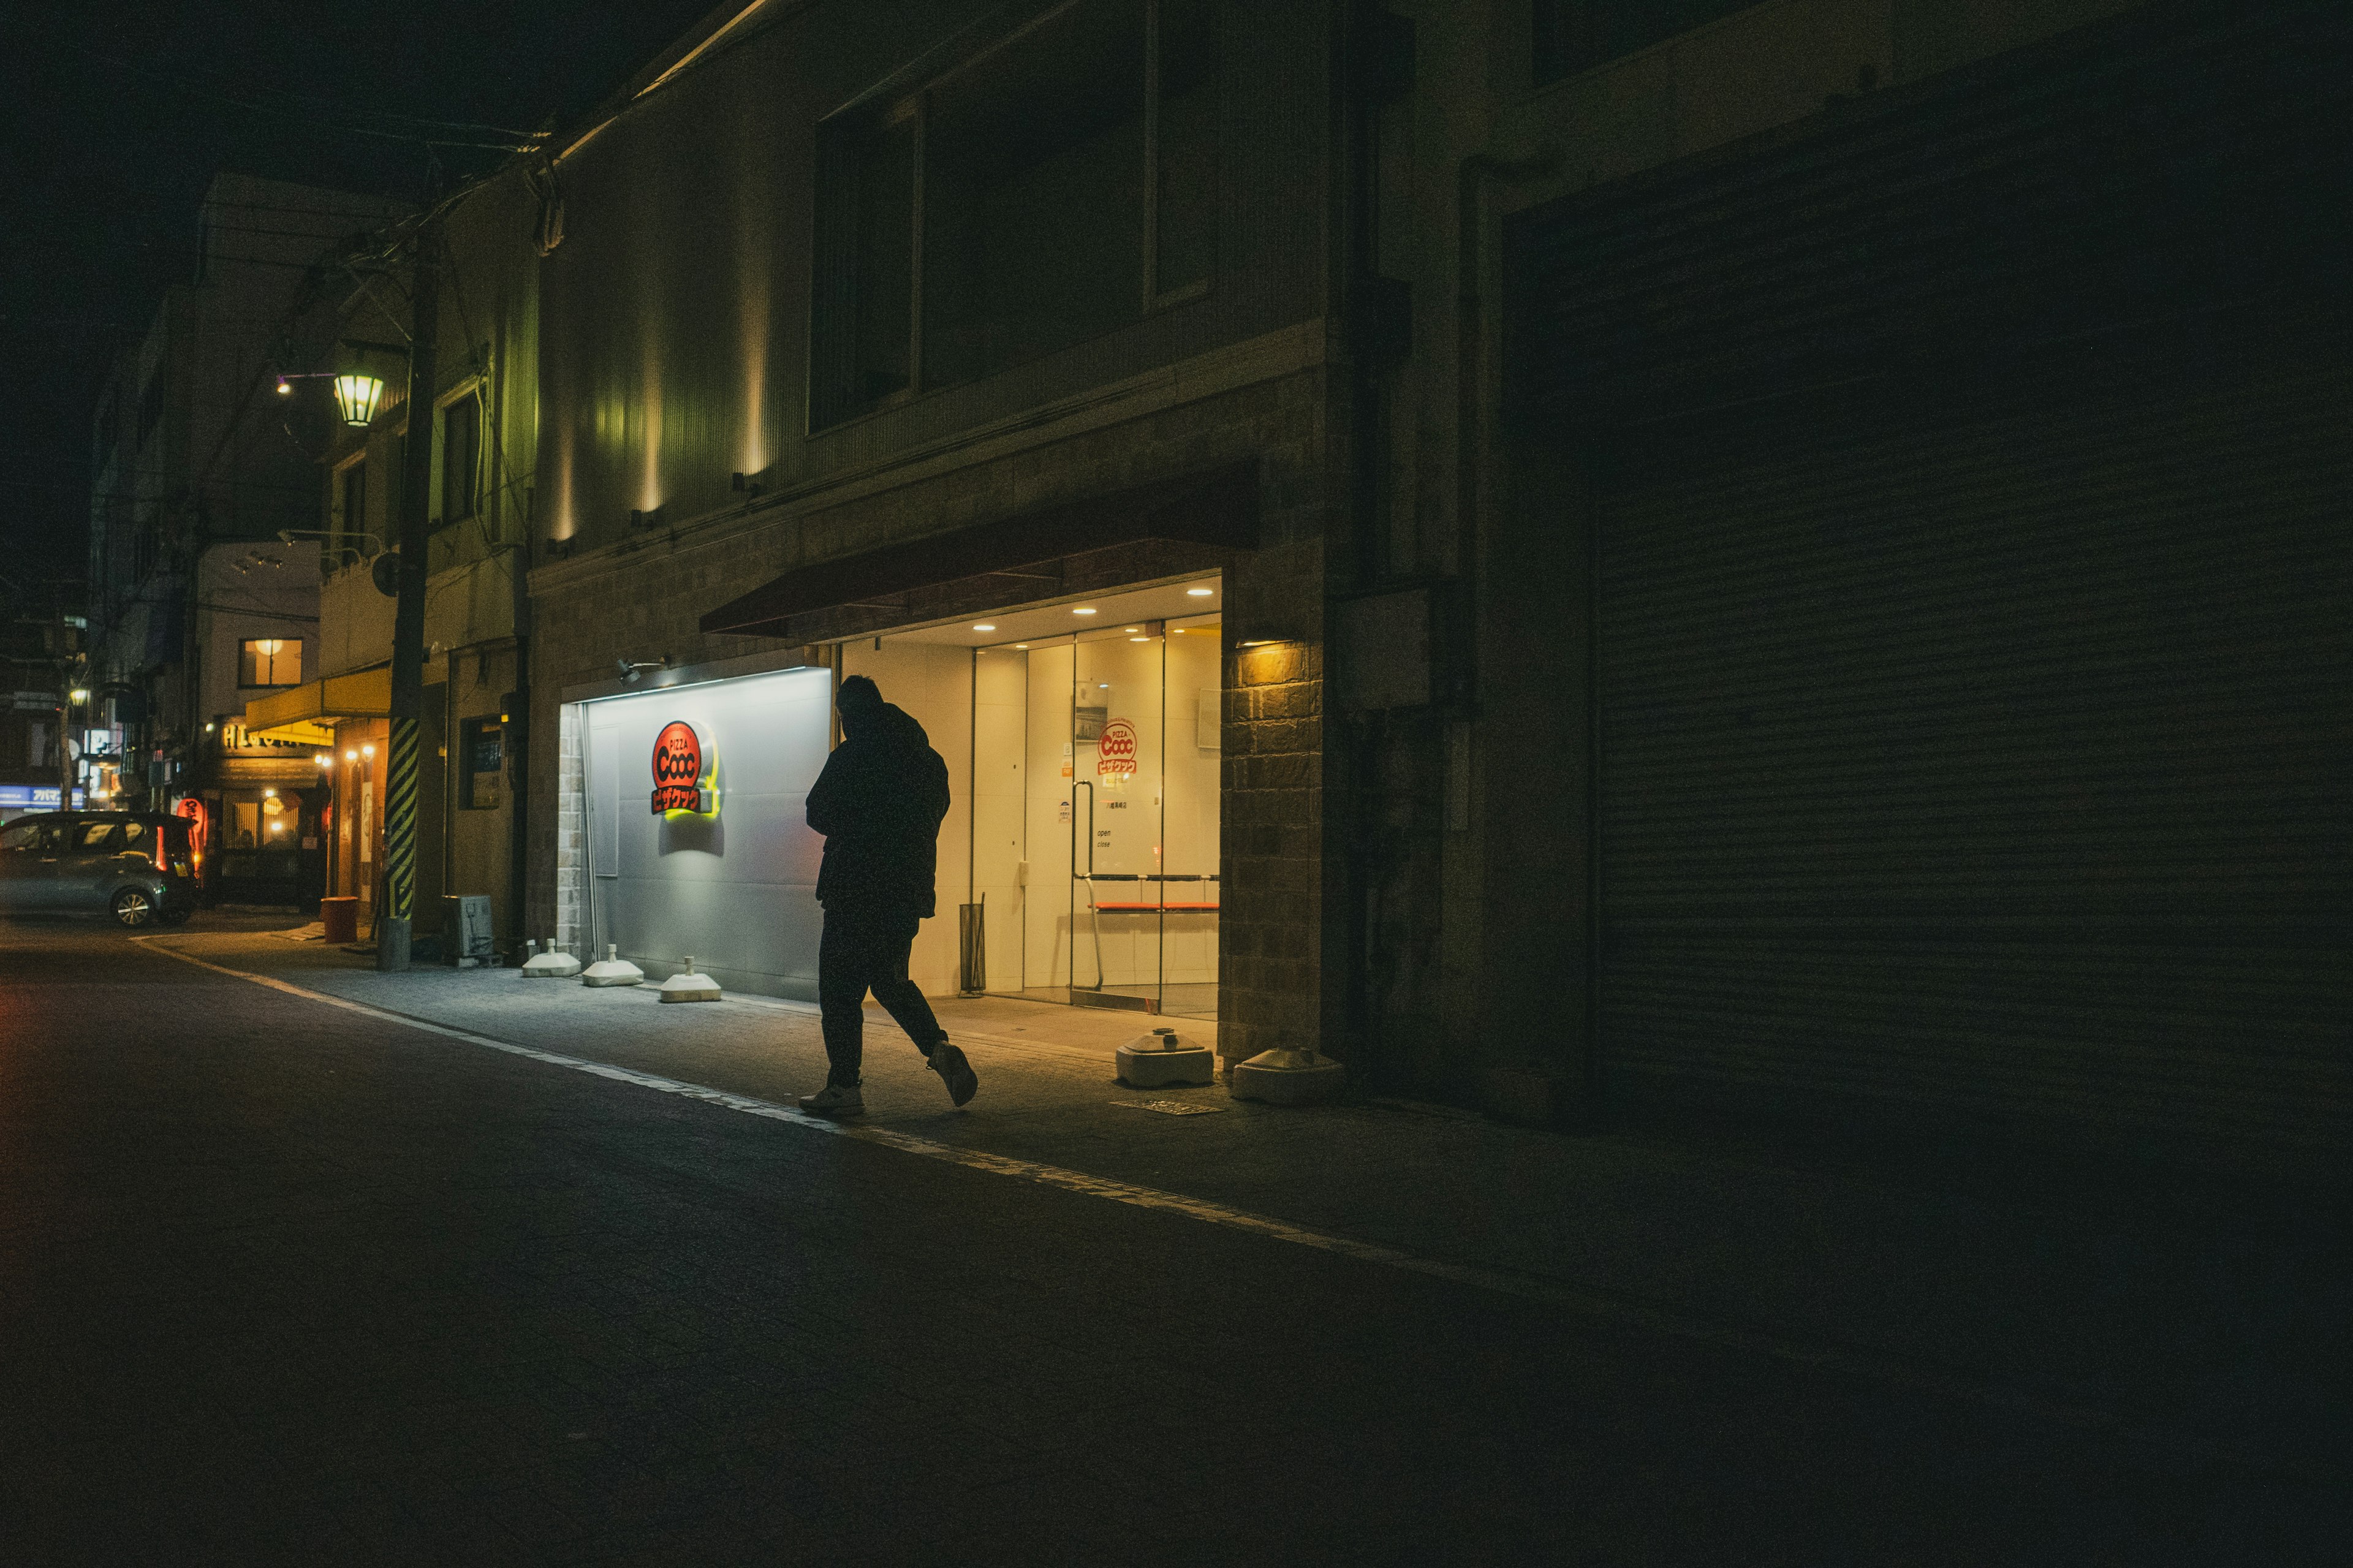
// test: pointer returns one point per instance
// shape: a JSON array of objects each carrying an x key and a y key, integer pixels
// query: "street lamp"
[
  {"x": 359, "y": 391},
  {"x": 357, "y": 396}
]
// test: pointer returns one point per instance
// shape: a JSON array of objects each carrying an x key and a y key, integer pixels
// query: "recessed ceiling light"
[
  {"x": 1021, "y": 644},
  {"x": 1199, "y": 593},
  {"x": 984, "y": 627},
  {"x": 1139, "y": 639},
  {"x": 1083, "y": 610}
]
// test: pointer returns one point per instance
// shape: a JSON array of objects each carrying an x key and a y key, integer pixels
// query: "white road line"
[{"x": 1827, "y": 1357}]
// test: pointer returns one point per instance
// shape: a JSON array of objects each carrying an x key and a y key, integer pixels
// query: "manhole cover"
[{"x": 1172, "y": 1107}]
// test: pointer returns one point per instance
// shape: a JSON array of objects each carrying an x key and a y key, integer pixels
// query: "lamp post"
[{"x": 408, "y": 613}]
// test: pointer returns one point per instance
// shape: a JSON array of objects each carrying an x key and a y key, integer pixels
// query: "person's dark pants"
[{"x": 857, "y": 954}]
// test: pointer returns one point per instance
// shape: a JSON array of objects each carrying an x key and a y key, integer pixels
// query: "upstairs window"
[
  {"x": 1572, "y": 35},
  {"x": 1054, "y": 188},
  {"x": 269, "y": 661},
  {"x": 461, "y": 455}
]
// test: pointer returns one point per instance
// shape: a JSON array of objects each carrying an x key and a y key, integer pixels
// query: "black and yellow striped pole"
[{"x": 408, "y": 615}]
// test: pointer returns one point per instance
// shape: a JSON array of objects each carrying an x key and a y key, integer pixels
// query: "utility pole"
[
  {"x": 63, "y": 650},
  {"x": 408, "y": 615}
]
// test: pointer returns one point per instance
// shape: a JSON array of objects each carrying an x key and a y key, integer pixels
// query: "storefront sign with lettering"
[
  {"x": 684, "y": 773},
  {"x": 1115, "y": 751}
]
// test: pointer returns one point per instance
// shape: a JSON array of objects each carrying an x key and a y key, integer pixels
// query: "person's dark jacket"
[{"x": 879, "y": 803}]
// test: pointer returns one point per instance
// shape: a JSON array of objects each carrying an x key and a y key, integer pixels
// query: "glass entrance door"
[
  {"x": 1122, "y": 768},
  {"x": 1087, "y": 837}
]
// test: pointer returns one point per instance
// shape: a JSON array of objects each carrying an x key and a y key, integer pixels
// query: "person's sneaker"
[
  {"x": 834, "y": 1101},
  {"x": 948, "y": 1061}
]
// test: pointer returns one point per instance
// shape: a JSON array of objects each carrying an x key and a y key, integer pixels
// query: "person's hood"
[{"x": 889, "y": 725}]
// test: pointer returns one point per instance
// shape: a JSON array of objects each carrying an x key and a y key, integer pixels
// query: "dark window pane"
[
  {"x": 462, "y": 439},
  {"x": 1186, "y": 184},
  {"x": 1033, "y": 193},
  {"x": 861, "y": 316}
]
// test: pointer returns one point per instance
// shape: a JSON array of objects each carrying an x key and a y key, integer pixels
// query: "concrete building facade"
[
  {"x": 483, "y": 427},
  {"x": 863, "y": 344}
]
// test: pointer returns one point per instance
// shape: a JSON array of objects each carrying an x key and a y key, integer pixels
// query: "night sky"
[{"x": 117, "y": 116}]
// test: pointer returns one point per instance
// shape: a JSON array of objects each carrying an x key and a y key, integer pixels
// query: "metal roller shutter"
[{"x": 1982, "y": 763}]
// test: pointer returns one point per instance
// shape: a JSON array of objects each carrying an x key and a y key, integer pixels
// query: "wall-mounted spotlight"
[
  {"x": 651, "y": 517},
  {"x": 631, "y": 670},
  {"x": 745, "y": 484},
  {"x": 359, "y": 546}
]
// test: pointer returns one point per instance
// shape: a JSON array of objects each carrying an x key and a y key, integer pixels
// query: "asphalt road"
[{"x": 283, "y": 1283}]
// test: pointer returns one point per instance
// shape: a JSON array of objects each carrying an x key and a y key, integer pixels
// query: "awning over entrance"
[
  {"x": 297, "y": 714},
  {"x": 1157, "y": 530}
]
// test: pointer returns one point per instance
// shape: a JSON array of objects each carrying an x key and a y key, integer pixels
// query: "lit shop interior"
[
  {"x": 1078, "y": 860},
  {"x": 1082, "y": 743}
]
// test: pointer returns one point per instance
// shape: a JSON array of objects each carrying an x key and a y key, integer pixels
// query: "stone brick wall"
[
  {"x": 643, "y": 599},
  {"x": 1271, "y": 992},
  {"x": 567, "y": 921}
]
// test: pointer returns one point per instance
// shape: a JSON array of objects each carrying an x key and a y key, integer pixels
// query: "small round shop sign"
[
  {"x": 1115, "y": 749},
  {"x": 678, "y": 768}
]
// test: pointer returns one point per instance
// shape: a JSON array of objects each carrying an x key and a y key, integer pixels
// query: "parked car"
[{"x": 137, "y": 868}]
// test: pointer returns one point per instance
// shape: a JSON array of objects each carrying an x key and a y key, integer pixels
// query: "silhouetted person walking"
[{"x": 879, "y": 803}]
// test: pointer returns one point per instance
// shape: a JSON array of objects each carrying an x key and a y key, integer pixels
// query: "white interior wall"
[
  {"x": 1189, "y": 818},
  {"x": 1046, "y": 899},
  {"x": 1000, "y": 788},
  {"x": 934, "y": 684}
]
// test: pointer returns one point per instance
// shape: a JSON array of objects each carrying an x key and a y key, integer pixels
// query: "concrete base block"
[
  {"x": 1289, "y": 1078},
  {"x": 551, "y": 965},
  {"x": 686, "y": 986},
  {"x": 1151, "y": 1068},
  {"x": 612, "y": 970},
  {"x": 392, "y": 945}
]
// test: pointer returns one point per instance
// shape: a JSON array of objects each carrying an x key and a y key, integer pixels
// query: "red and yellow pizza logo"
[
  {"x": 678, "y": 768},
  {"x": 1115, "y": 749}
]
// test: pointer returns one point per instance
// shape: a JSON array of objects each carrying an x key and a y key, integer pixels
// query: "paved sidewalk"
[{"x": 2208, "y": 1323}]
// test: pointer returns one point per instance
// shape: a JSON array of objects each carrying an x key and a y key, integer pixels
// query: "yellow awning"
[{"x": 296, "y": 713}]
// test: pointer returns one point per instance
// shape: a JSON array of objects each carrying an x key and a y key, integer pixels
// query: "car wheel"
[{"x": 132, "y": 907}]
